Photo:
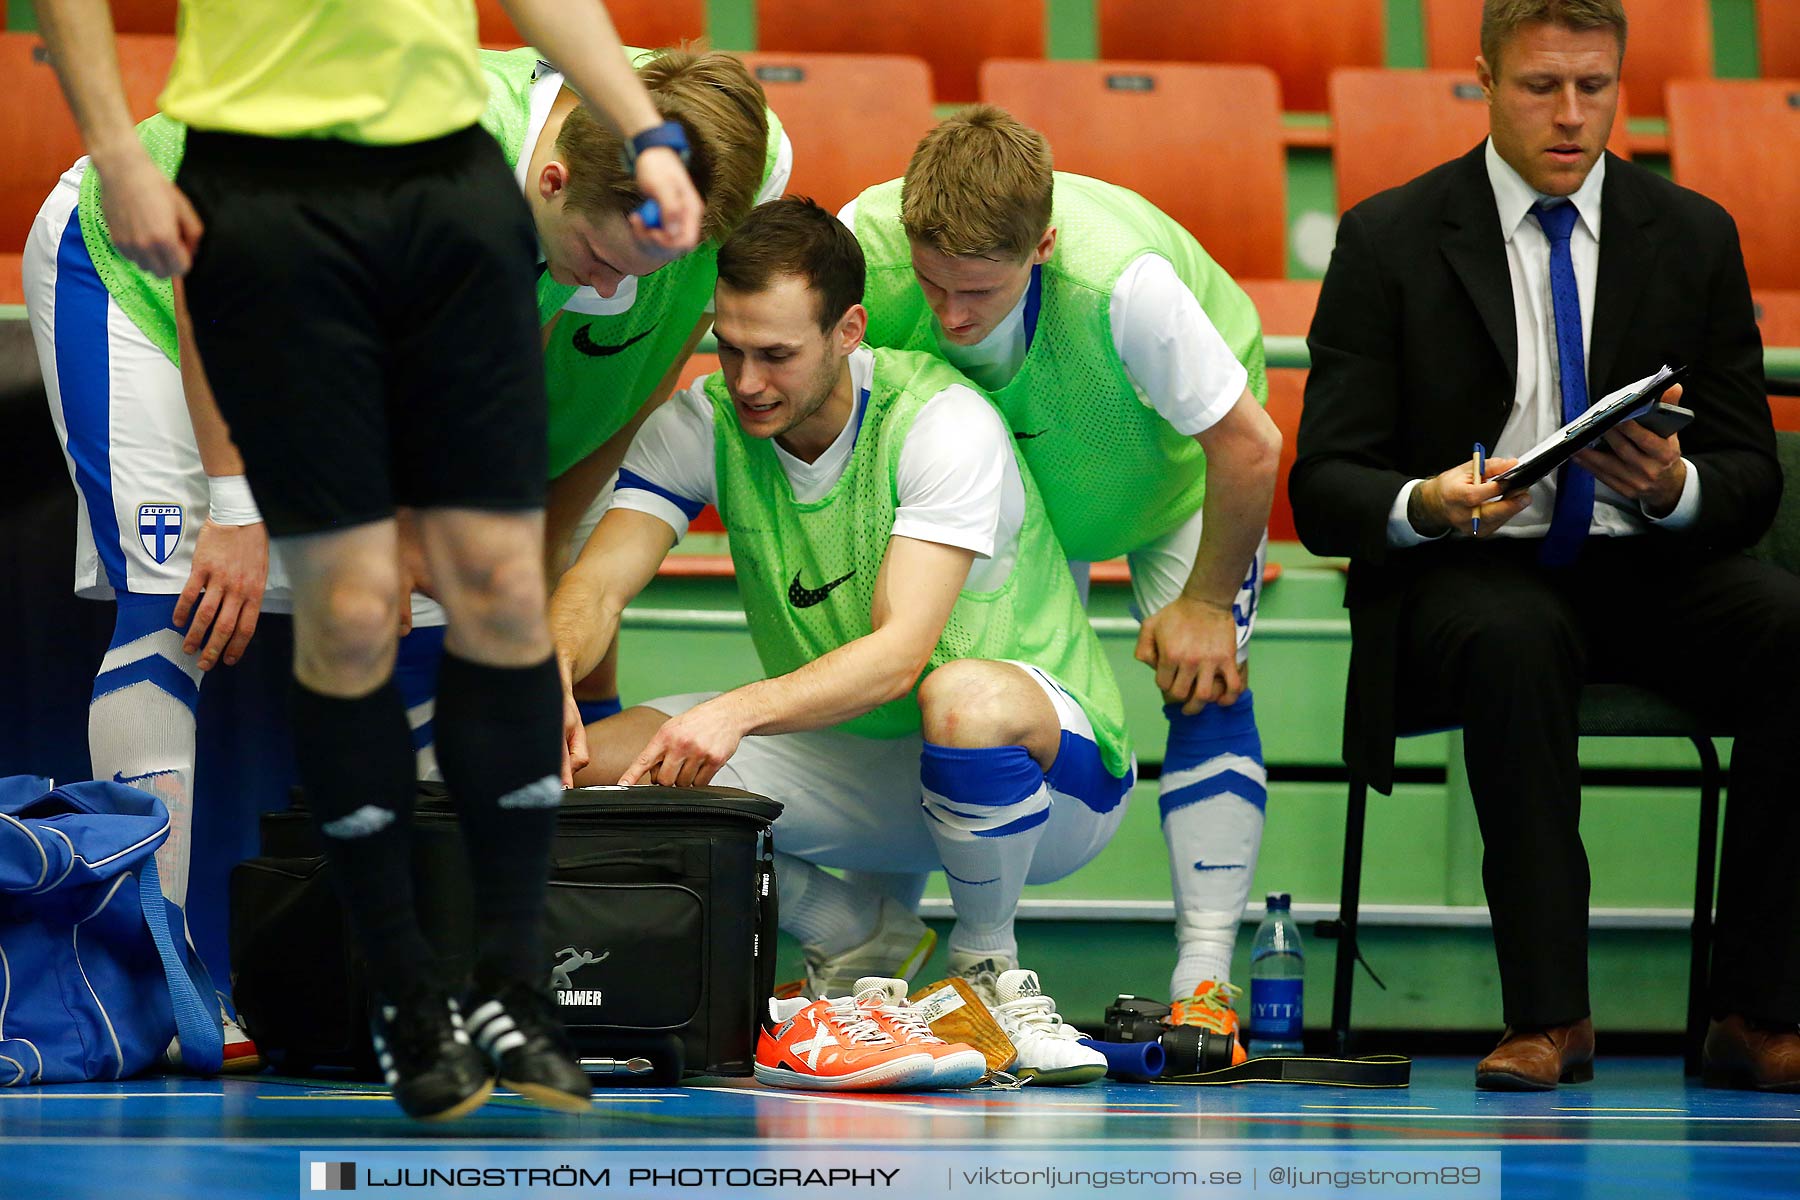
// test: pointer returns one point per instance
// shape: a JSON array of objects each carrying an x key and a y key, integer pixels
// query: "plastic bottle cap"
[{"x": 1279, "y": 900}]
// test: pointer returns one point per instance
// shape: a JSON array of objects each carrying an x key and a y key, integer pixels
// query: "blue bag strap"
[{"x": 196, "y": 1012}]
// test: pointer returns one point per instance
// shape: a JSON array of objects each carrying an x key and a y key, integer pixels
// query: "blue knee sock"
[{"x": 599, "y": 710}]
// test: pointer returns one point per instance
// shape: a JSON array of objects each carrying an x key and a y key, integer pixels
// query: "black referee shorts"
[{"x": 367, "y": 318}]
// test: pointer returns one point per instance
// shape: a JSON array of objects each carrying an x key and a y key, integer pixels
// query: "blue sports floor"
[{"x": 1638, "y": 1131}]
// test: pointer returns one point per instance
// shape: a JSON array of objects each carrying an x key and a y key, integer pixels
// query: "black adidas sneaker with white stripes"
[
  {"x": 434, "y": 1068},
  {"x": 522, "y": 1034}
]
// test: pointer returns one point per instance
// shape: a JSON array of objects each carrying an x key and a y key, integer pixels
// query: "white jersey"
[
  {"x": 1170, "y": 349},
  {"x": 121, "y": 416},
  {"x": 959, "y": 482}
]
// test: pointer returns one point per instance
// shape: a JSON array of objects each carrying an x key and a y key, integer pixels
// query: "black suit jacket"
[{"x": 1414, "y": 359}]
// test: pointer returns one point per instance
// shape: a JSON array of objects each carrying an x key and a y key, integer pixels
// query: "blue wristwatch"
[{"x": 669, "y": 134}]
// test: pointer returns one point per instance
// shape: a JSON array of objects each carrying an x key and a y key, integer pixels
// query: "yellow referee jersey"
[{"x": 383, "y": 72}]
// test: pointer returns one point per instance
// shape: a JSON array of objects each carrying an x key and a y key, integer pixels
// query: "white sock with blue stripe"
[
  {"x": 905, "y": 888},
  {"x": 141, "y": 722},
  {"x": 986, "y": 810},
  {"x": 415, "y": 675},
  {"x": 827, "y": 915},
  {"x": 1213, "y": 792}
]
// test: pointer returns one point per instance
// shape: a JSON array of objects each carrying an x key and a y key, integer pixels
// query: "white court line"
[
  {"x": 113, "y": 1096},
  {"x": 1590, "y": 1108},
  {"x": 1384, "y": 1107}
]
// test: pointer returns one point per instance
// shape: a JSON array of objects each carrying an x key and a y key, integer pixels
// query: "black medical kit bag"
[{"x": 659, "y": 931}]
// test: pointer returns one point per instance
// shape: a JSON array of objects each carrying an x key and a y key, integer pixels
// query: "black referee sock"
[
  {"x": 499, "y": 743},
  {"x": 356, "y": 763}
]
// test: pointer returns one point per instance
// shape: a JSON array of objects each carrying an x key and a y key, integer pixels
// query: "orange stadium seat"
[
  {"x": 1286, "y": 387},
  {"x": 1203, "y": 143},
  {"x": 1778, "y": 36},
  {"x": 649, "y": 23},
  {"x": 38, "y": 137},
  {"x": 698, "y": 365},
  {"x": 1301, "y": 40},
  {"x": 953, "y": 36},
  {"x": 144, "y": 16},
  {"x": 1778, "y": 316},
  {"x": 1668, "y": 39},
  {"x": 853, "y": 118},
  {"x": 1735, "y": 140},
  {"x": 1390, "y": 126},
  {"x": 12, "y": 286},
  {"x": 1285, "y": 305},
  {"x": 1286, "y": 308}
]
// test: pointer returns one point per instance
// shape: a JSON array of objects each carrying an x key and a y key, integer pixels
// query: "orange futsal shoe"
[
  {"x": 955, "y": 1064},
  {"x": 837, "y": 1046},
  {"x": 1211, "y": 1007}
]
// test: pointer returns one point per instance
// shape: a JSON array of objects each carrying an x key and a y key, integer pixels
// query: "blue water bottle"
[{"x": 1277, "y": 977}]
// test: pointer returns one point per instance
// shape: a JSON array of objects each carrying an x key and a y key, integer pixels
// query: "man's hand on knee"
[{"x": 1192, "y": 644}]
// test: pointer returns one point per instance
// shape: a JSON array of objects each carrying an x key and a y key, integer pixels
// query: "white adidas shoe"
[
  {"x": 897, "y": 949},
  {"x": 982, "y": 970},
  {"x": 1049, "y": 1050},
  {"x": 954, "y": 1065}
]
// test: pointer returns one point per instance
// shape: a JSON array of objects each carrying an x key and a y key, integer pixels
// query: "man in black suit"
[{"x": 1485, "y": 302}]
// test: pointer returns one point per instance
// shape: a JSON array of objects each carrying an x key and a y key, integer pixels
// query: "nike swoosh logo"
[
  {"x": 805, "y": 597},
  {"x": 134, "y": 780},
  {"x": 1206, "y": 866},
  {"x": 1026, "y": 437},
  {"x": 593, "y": 349}
]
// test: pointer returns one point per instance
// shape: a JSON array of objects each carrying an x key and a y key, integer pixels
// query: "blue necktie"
[{"x": 1574, "y": 510}]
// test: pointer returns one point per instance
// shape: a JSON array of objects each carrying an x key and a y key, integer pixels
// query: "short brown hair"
[
  {"x": 979, "y": 183},
  {"x": 794, "y": 236},
  {"x": 1500, "y": 19},
  {"x": 719, "y": 105}
]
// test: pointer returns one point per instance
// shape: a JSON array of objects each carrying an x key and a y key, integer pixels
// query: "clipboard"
[{"x": 1628, "y": 403}]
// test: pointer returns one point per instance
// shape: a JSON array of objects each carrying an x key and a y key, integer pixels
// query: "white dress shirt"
[{"x": 1537, "y": 394}]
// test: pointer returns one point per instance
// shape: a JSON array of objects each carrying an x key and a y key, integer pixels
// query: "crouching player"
[
  {"x": 1130, "y": 368},
  {"x": 922, "y": 636}
]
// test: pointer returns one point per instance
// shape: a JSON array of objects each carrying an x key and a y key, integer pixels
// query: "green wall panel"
[{"x": 1437, "y": 979}]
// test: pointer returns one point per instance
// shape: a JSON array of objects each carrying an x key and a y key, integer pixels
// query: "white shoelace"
[
  {"x": 910, "y": 1019},
  {"x": 856, "y": 1024},
  {"x": 905, "y": 1016},
  {"x": 1037, "y": 1014}
]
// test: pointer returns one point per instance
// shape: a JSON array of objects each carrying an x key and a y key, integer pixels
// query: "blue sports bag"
[{"x": 96, "y": 973}]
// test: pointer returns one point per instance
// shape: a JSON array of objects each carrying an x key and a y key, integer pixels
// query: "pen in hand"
[{"x": 1479, "y": 467}]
